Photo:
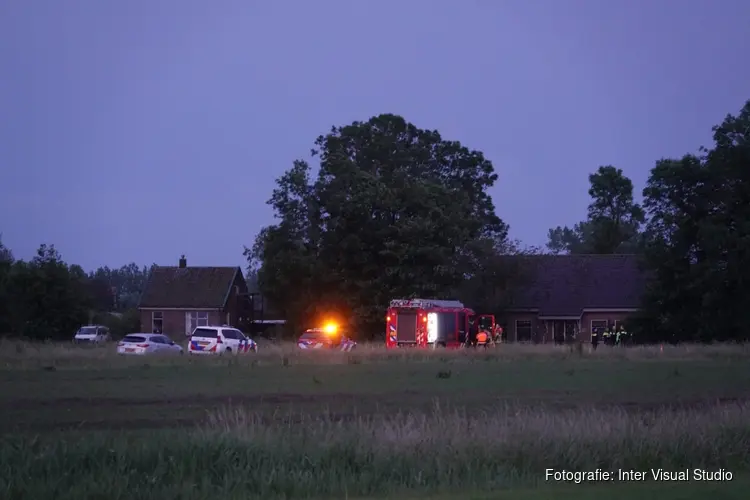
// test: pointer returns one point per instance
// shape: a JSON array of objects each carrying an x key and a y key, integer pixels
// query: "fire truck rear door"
[{"x": 486, "y": 321}]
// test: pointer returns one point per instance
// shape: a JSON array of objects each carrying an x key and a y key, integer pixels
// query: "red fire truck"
[{"x": 434, "y": 323}]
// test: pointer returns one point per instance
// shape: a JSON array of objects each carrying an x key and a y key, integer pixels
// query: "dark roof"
[
  {"x": 200, "y": 287},
  {"x": 564, "y": 285}
]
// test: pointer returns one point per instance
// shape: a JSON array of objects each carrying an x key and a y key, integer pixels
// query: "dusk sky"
[{"x": 140, "y": 130}]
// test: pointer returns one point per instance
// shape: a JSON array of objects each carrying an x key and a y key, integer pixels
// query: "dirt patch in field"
[{"x": 197, "y": 400}]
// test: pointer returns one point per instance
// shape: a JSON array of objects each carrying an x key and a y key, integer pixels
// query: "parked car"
[
  {"x": 148, "y": 343},
  {"x": 220, "y": 340},
  {"x": 92, "y": 334}
]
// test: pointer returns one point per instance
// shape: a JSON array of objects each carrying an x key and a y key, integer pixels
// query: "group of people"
[
  {"x": 483, "y": 335},
  {"x": 609, "y": 336}
]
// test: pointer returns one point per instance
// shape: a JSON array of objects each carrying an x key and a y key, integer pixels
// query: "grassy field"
[{"x": 82, "y": 423}]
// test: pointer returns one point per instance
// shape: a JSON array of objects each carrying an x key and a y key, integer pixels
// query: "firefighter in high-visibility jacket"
[
  {"x": 623, "y": 334},
  {"x": 482, "y": 338}
]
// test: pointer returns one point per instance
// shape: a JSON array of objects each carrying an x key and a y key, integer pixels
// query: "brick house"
[
  {"x": 177, "y": 299},
  {"x": 568, "y": 295}
]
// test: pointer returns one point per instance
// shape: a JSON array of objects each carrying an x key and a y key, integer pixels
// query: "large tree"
[
  {"x": 613, "y": 222},
  {"x": 394, "y": 211},
  {"x": 48, "y": 298},
  {"x": 698, "y": 240}
]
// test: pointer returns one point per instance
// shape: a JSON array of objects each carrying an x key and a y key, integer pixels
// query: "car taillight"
[
  {"x": 120, "y": 344},
  {"x": 142, "y": 345},
  {"x": 219, "y": 341}
]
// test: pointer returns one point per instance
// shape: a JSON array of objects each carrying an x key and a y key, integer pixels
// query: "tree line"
[
  {"x": 46, "y": 298},
  {"x": 693, "y": 233},
  {"x": 392, "y": 210},
  {"x": 397, "y": 211}
]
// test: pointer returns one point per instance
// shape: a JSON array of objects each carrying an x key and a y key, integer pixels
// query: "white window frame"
[
  {"x": 195, "y": 319},
  {"x": 201, "y": 318},
  {"x": 531, "y": 329},
  {"x": 157, "y": 316},
  {"x": 604, "y": 325}
]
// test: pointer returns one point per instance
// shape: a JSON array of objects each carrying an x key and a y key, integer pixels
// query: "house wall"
[
  {"x": 539, "y": 334},
  {"x": 174, "y": 321},
  {"x": 236, "y": 303},
  {"x": 509, "y": 323},
  {"x": 587, "y": 317}
]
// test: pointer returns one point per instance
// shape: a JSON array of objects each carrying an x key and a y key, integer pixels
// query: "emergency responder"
[
  {"x": 605, "y": 335},
  {"x": 617, "y": 337},
  {"x": 482, "y": 338},
  {"x": 624, "y": 336},
  {"x": 594, "y": 338},
  {"x": 498, "y": 334},
  {"x": 473, "y": 330}
]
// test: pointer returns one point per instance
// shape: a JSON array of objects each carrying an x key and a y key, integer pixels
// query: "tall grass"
[
  {"x": 238, "y": 454},
  {"x": 29, "y": 355}
]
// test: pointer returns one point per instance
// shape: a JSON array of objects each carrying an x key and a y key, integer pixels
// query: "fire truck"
[{"x": 434, "y": 323}]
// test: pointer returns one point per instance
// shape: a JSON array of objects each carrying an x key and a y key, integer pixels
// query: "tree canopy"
[
  {"x": 697, "y": 239},
  {"x": 393, "y": 211},
  {"x": 46, "y": 298},
  {"x": 613, "y": 221}
]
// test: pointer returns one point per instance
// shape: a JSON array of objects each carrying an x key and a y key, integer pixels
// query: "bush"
[{"x": 119, "y": 326}]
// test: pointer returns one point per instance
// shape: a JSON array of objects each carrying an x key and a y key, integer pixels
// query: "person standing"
[
  {"x": 471, "y": 339},
  {"x": 482, "y": 338},
  {"x": 594, "y": 338},
  {"x": 624, "y": 338},
  {"x": 498, "y": 334}
]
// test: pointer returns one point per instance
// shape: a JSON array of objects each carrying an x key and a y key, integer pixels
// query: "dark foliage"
[
  {"x": 46, "y": 298},
  {"x": 395, "y": 211}
]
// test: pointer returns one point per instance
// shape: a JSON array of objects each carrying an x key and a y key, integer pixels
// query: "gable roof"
[
  {"x": 565, "y": 285},
  {"x": 188, "y": 287}
]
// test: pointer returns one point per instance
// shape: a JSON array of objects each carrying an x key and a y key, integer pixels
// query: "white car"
[
  {"x": 94, "y": 334},
  {"x": 220, "y": 340},
  {"x": 148, "y": 343}
]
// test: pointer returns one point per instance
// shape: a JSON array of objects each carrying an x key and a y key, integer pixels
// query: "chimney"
[{"x": 183, "y": 262}]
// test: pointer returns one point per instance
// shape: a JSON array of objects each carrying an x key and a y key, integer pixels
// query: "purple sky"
[{"x": 139, "y": 130}]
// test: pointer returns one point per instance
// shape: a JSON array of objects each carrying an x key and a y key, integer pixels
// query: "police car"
[
  {"x": 220, "y": 340},
  {"x": 328, "y": 337}
]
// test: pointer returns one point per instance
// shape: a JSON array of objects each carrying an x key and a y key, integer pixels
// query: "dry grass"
[{"x": 237, "y": 454}]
